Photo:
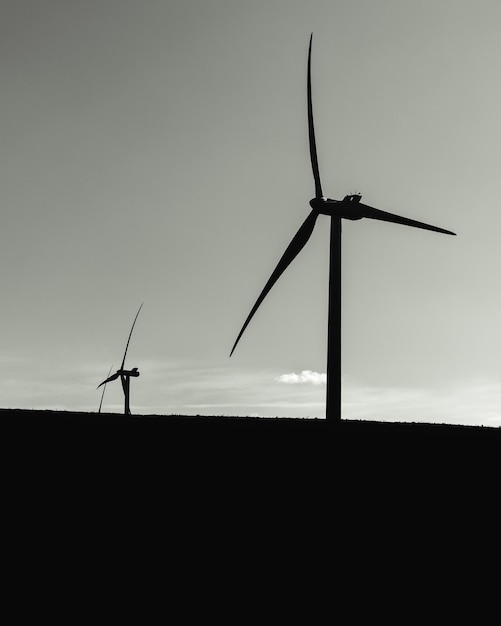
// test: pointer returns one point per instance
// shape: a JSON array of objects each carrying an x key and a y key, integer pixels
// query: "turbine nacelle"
[
  {"x": 349, "y": 207},
  {"x": 133, "y": 372}
]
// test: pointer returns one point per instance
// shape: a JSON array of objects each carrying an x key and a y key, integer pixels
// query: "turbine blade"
[
  {"x": 293, "y": 249},
  {"x": 108, "y": 380},
  {"x": 376, "y": 214},
  {"x": 104, "y": 389},
  {"x": 311, "y": 132},
  {"x": 130, "y": 335}
]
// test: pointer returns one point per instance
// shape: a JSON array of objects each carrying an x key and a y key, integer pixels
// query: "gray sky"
[{"x": 157, "y": 151}]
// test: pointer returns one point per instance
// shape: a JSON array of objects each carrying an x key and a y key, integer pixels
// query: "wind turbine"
[
  {"x": 124, "y": 374},
  {"x": 349, "y": 208}
]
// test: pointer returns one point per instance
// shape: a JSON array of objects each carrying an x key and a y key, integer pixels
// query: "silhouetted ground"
[
  {"x": 231, "y": 469},
  {"x": 33, "y": 418}
]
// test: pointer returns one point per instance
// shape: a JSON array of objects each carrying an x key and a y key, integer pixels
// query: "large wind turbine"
[
  {"x": 124, "y": 374},
  {"x": 349, "y": 208}
]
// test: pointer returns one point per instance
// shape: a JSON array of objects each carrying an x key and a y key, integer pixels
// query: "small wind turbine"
[
  {"x": 124, "y": 374},
  {"x": 349, "y": 208}
]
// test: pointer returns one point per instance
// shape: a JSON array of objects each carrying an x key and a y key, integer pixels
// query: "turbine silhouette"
[
  {"x": 124, "y": 374},
  {"x": 349, "y": 208}
]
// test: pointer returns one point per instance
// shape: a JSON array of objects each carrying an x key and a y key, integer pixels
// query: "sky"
[{"x": 156, "y": 151}]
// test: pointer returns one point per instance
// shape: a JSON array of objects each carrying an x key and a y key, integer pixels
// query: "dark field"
[
  {"x": 213, "y": 463},
  {"x": 22, "y": 418}
]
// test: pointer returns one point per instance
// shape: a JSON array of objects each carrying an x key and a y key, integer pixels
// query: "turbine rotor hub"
[{"x": 319, "y": 204}]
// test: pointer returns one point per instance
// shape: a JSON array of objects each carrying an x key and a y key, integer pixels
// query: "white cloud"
[{"x": 306, "y": 376}]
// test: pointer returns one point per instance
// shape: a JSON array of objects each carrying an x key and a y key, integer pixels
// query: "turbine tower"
[
  {"x": 349, "y": 208},
  {"x": 125, "y": 375}
]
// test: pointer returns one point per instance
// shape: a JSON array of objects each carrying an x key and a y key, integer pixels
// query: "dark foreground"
[
  {"x": 23, "y": 418},
  {"x": 179, "y": 462}
]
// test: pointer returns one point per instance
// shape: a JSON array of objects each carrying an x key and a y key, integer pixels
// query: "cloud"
[{"x": 306, "y": 376}]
